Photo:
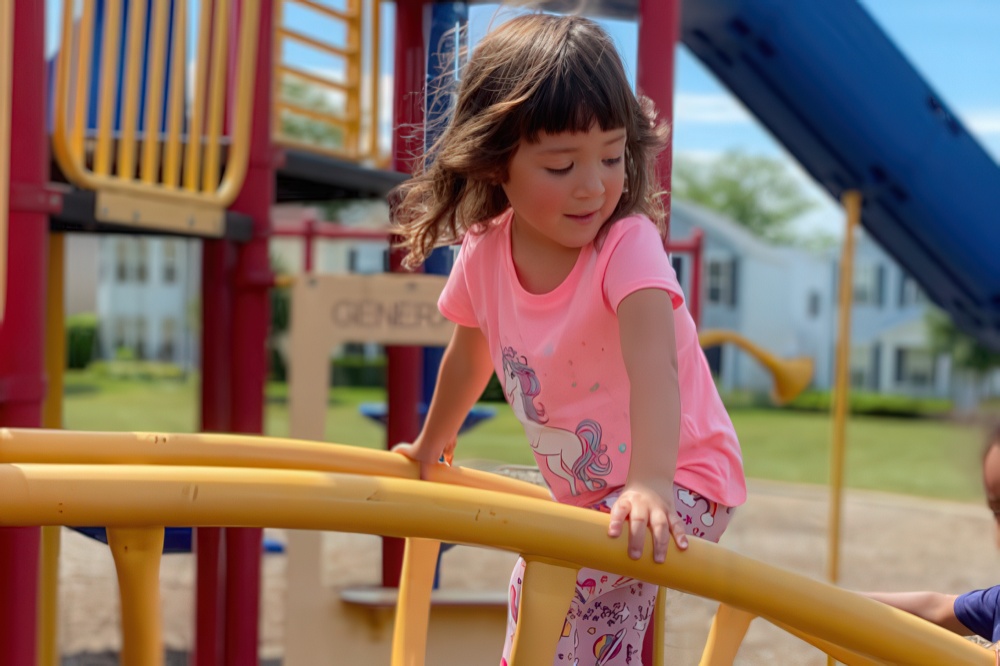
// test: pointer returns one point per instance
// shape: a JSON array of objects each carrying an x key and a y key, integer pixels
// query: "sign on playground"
[{"x": 384, "y": 308}]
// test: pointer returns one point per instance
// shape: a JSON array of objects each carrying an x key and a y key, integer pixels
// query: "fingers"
[
  {"x": 619, "y": 514},
  {"x": 663, "y": 524},
  {"x": 677, "y": 531}
]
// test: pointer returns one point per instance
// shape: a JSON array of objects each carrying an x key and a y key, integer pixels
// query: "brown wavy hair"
[{"x": 536, "y": 73}]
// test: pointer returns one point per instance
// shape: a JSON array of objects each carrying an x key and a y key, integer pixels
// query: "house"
[{"x": 784, "y": 299}]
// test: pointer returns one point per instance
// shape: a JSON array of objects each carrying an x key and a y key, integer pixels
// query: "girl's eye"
[
  {"x": 559, "y": 172},
  {"x": 613, "y": 161}
]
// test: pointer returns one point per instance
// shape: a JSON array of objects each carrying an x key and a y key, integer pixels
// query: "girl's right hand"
[{"x": 418, "y": 453}]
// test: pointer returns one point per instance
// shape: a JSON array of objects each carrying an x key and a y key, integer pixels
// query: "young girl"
[{"x": 545, "y": 172}]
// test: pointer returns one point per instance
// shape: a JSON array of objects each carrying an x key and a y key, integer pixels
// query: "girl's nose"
[{"x": 590, "y": 184}]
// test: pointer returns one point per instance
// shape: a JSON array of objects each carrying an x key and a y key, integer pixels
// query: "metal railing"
[
  {"x": 327, "y": 77},
  {"x": 134, "y": 483},
  {"x": 6, "y": 93},
  {"x": 127, "y": 127}
]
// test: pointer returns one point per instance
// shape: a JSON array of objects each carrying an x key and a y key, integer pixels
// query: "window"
[
  {"x": 120, "y": 334},
  {"x": 169, "y": 261},
  {"x": 168, "y": 343},
  {"x": 678, "y": 265},
  {"x": 909, "y": 292},
  {"x": 914, "y": 367},
  {"x": 121, "y": 260},
  {"x": 860, "y": 367},
  {"x": 142, "y": 259},
  {"x": 141, "y": 331},
  {"x": 813, "y": 304},
  {"x": 722, "y": 282},
  {"x": 869, "y": 284}
]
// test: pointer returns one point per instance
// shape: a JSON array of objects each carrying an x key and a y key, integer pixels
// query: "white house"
[{"x": 785, "y": 300}]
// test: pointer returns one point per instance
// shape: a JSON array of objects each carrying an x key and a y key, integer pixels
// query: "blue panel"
[{"x": 831, "y": 87}]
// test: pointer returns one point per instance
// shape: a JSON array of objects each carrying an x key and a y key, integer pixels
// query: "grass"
[{"x": 929, "y": 458}]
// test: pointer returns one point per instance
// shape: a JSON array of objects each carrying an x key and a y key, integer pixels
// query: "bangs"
[{"x": 576, "y": 96}]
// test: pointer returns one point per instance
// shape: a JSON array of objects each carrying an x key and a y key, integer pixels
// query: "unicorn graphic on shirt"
[{"x": 576, "y": 457}]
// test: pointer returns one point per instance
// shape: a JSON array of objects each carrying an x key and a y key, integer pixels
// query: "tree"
[
  {"x": 303, "y": 128},
  {"x": 967, "y": 353},
  {"x": 755, "y": 191}
]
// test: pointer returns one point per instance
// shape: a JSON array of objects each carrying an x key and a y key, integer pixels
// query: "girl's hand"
[
  {"x": 643, "y": 505},
  {"x": 417, "y": 453}
]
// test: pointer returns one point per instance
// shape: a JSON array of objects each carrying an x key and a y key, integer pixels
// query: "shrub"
[
  {"x": 876, "y": 404},
  {"x": 358, "y": 370},
  {"x": 81, "y": 340}
]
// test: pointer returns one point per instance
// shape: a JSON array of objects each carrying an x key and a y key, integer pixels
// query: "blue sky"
[{"x": 955, "y": 45}]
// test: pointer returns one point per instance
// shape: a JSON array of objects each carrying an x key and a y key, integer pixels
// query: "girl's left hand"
[{"x": 644, "y": 505}]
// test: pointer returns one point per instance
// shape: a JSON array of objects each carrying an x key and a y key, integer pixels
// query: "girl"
[{"x": 545, "y": 172}]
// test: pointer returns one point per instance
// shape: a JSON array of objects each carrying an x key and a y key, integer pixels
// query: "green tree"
[
  {"x": 967, "y": 353},
  {"x": 281, "y": 307},
  {"x": 755, "y": 191},
  {"x": 301, "y": 127}
]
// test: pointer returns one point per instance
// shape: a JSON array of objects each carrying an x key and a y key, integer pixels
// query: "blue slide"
[{"x": 831, "y": 86}]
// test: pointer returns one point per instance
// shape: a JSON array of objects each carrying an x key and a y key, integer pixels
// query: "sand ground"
[{"x": 889, "y": 542}]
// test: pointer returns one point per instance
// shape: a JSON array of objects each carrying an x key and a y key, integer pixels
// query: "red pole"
[
  {"x": 22, "y": 333},
  {"x": 309, "y": 233},
  {"x": 405, "y": 364},
  {"x": 218, "y": 266},
  {"x": 251, "y": 320},
  {"x": 659, "y": 27}
]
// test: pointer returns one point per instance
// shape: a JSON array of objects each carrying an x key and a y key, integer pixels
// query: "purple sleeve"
[{"x": 979, "y": 611}]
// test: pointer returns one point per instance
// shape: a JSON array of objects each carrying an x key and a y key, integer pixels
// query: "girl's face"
[{"x": 565, "y": 186}]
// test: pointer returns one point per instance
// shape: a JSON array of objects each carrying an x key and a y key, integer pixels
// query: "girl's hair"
[{"x": 536, "y": 73}]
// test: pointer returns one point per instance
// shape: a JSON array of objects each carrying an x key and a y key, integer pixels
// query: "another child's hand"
[{"x": 643, "y": 505}]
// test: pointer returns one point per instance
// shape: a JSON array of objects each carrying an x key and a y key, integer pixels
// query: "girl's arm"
[
  {"x": 649, "y": 347},
  {"x": 931, "y": 606},
  {"x": 465, "y": 369}
]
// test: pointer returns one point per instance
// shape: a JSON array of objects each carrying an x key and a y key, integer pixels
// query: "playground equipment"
[
  {"x": 791, "y": 376},
  {"x": 137, "y": 482},
  {"x": 216, "y": 170}
]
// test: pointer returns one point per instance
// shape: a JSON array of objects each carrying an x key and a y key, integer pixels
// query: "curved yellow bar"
[
  {"x": 149, "y": 496},
  {"x": 29, "y": 445}
]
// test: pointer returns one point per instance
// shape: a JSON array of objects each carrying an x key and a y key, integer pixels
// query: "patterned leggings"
[{"x": 609, "y": 613}]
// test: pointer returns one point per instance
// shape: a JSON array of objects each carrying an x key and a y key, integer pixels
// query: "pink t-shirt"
[{"x": 559, "y": 358}]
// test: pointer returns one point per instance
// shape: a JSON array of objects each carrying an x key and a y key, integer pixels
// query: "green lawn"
[{"x": 920, "y": 457}]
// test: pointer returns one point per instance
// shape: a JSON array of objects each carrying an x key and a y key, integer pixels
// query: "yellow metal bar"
[
  {"x": 852, "y": 206},
  {"x": 725, "y": 636},
  {"x": 217, "y": 98},
  {"x": 47, "y": 636},
  {"x": 192, "y": 161},
  {"x": 6, "y": 78},
  {"x": 313, "y": 78},
  {"x": 413, "y": 608},
  {"x": 324, "y": 118},
  {"x": 546, "y": 592},
  {"x": 239, "y": 151},
  {"x": 660, "y": 628},
  {"x": 137, "y": 553},
  {"x": 303, "y": 38},
  {"x": 155, "y": 84},
  {"x": 328, "y": 11},
  {"x": 375, "y": 76},
  {"x": 151, "y": 496},
  {"x": 130, "y": 91},
  {"x": 791, "y": 376},
  {"x": 108, "y": 87},
  {"x": 176, "y": 95},
  {"x": 81, "y": 97},
  {"x": 354, "y": 46}
]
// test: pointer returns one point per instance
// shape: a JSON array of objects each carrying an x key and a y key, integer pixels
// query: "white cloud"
[
  {"x": 983, "y": 121},
  {"x": 709, "y": 108}
]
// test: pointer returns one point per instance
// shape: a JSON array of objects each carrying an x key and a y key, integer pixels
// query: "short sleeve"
[
  {"x": 979, "y": 611},
  {"x": 637, "y": 260},
  {"x": 455, "y": 302}
]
